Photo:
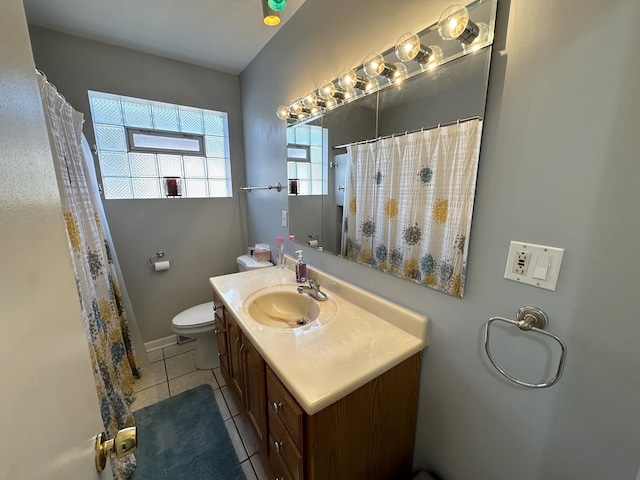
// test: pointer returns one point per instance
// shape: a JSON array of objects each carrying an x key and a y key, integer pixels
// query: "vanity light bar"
[{"x": 454, "y": 24}]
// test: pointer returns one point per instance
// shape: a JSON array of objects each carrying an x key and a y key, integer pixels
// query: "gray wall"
[
  {"x": 559, "y": 167},
  {"x": 202, "y": 237}
]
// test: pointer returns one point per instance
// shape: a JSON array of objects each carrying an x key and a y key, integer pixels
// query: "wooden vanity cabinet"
[
  {"x": 367, "y": 435},
  {"x": 235, "y": 345},
  {"x": 221, "y": 336}
]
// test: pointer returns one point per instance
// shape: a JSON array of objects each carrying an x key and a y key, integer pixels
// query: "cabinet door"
[
  {"x": 221, "y": 336},
  {"x": 255, "y": 392},
  {"x": 235, "y": 347}
]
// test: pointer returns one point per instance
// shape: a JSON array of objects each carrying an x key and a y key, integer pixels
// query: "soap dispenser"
[{"x": 301, "y": 268}]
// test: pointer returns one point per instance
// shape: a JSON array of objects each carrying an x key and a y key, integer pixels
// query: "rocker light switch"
[
  {"x": 536, "y": 265},
  {"x": 542, "y": 267}
]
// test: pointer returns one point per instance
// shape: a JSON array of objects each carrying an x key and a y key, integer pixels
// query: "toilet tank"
[{"x": 245, "y": 262}]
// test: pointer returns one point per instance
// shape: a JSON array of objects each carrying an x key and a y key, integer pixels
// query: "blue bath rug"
[{"x": 184, "y": 437}]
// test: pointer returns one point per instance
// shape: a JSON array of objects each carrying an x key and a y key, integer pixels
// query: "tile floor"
[{"x": 172, "y": 371}]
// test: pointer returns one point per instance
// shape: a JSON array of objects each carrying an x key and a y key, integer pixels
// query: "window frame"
[{"x": 131, "y": 131}]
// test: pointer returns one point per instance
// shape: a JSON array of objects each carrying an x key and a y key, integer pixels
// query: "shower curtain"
[
  {"x": 410, "y": 202},
  {"x": 106, "y": 328}
]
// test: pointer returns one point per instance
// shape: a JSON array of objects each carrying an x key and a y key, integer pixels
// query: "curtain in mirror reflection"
[{"x": 410, "y": 202}]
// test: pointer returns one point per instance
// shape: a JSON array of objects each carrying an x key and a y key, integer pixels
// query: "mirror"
[{"x": 451, "y": 92}]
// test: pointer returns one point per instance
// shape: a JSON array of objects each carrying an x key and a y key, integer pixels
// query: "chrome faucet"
[{"x": 314, "y": 290}]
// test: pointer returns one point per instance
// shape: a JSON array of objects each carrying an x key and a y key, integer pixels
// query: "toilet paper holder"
[{"x": 154, "y": 258}]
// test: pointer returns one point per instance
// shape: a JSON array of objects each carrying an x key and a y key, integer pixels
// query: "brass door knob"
[{"x": 125, "y": 443}]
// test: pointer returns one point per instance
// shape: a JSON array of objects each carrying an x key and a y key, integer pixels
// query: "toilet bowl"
[{"x": 198, "y": 322}]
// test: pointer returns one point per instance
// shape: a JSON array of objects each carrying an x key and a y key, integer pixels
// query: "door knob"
[{"x": 125, "y": 443}]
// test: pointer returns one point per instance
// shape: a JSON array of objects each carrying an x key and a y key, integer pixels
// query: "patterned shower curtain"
[
  {"x": 112, "y": 355},
  {"x": 410, "y": 204}
]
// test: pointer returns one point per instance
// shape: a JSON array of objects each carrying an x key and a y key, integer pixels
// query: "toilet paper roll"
[
  {"x": 313, "y": 243},
  {"x": 160, "y": 266}
]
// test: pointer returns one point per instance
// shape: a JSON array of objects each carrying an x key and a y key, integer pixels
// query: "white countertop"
[{"x": 322, "y": 365}]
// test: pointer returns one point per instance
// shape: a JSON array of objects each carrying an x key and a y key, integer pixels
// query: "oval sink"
[{"x": 281, "y": 306}]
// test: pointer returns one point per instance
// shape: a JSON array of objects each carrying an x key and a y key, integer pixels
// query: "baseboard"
[{"x": 160, "y": 343}]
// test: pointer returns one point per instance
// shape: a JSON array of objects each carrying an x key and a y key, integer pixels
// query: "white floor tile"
[
  {"x": 176, "y": 349},
  {"x": 250, "y": 440},
  {"x": 150, "y": 396},
  {"x": 259, "y": 468},
  {"x": 247, "y": 468},
  {"x": 191, "y": 380},
  {"x": 152, "y": 375},
  {"x": 155, "y": 355},
  {"x": 180, "y": 364},
  {"x": 231, "y": 402},
  {"x": 222, "y": 405},
  {"x": 218, "y": 374},
  {"x": 235, "y": 440}
]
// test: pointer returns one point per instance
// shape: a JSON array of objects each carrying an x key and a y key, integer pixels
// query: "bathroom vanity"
[{"x": 334, "y": 398}]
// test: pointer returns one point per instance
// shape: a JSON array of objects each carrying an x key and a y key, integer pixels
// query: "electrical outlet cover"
[{"x": 536, "y": 265}]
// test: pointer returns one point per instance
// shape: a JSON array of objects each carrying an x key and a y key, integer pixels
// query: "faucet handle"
[{"x": 313, "y": 283}]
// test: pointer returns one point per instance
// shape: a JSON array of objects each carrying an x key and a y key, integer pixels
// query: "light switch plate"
[
  {"x": 284, "y": 218},
  {"x": 542, "y": 264}
]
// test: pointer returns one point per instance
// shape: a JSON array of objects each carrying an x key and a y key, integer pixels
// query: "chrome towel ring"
[{"x": 529, "y": 319}]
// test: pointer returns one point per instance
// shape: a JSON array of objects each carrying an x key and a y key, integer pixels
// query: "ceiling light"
[
  {"x": 454, "y": 23},
  {"x": 408, "y": 47},
  {"x": 269, "y": 17}
]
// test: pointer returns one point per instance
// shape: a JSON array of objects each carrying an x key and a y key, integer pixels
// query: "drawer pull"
[
  {"x": 218, "y": 332},
  {"x": 278, "y": 446},
  {"x": 279, "y": 478},
  {"x": 277, "y": 407}
]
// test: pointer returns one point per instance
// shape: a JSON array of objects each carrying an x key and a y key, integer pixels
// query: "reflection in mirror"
[{"x": 450, "y": 93}]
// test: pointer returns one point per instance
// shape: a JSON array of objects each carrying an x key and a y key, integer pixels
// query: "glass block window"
[
  {"x": 306, "y": 159},
  {"x": 141, "y": 142}
]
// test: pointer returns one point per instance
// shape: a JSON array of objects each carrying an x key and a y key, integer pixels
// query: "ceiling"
[{"x": 224, "y": 35}]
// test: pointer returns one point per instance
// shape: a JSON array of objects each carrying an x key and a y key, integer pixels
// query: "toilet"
[{"x": 198, "y": 322}]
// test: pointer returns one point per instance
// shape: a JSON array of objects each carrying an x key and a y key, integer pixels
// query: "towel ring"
[{"x": 528, "y": 319}]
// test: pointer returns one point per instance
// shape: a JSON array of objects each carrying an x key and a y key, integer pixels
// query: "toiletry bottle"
[
  {"x": 280, "y": 252},
  {"x": 301, "y": 268}
]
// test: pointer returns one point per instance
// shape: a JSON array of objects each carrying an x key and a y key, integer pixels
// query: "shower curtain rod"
[{"x": 361, "y": 142}]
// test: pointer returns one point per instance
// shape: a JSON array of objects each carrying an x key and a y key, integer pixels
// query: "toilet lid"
[{"x": 197, "y": 316}]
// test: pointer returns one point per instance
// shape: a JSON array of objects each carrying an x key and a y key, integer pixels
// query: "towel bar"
[
  {"x": 277, "y": 187},
  {"x": 528, "y": 319}
]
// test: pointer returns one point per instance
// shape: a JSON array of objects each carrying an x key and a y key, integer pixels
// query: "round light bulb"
[
  {"x": 347, "y": 78},
  {"x": 296, "y": 108},
  {"x": 372, "y": 84},
  {"x": 282, "y": 112},
  {"x": 373, "y": 65},
  {"x": 453, "y": 22},
  {"x": 399, "y": 74},
  {"x": 330, "y": 103},
  {"x": 350, "y": 95},
  {"x": 316, "y": 110},
  {"x": 327, "y": 90},
  {"x": 434, "y": 59},
  {"x": 277, "y": 5},
  {"x": 408, "y": 46},
  {"x": 310, "y": 99}
]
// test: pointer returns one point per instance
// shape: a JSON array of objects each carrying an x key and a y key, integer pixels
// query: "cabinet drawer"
[
  {"x": 283, "y": 406},
  {"x": 281, "y": 447},
  {"x": 277, "y": 464}
]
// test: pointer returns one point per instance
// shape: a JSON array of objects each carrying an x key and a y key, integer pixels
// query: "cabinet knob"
[
  {"x": 220, "y": 354},
  {"x": 276, "y": 406},
  {"x": 217, "y": 332},
  {"x": 278, "y": 446},
  {"x": 279, "y": 478}
]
